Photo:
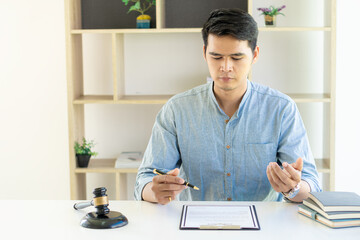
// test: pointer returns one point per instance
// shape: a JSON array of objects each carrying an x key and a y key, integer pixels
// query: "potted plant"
[
  {"x": 83, "y": 152},
  {"x": 141, "y": 6},
  {"x": 270, "y": 14}
]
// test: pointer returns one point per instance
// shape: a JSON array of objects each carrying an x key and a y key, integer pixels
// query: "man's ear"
[
  {"x": 204, "y": 52},
  {"x": 256, "y": 54}
]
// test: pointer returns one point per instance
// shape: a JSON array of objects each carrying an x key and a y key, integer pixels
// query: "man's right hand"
[{"x": 164, "y": 188}]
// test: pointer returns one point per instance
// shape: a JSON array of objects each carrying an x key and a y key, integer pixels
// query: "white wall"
[
  {"x": 33, "y": 123},
  {"x": 348, "y": 101},
  {"x": 33, "y": 108}
]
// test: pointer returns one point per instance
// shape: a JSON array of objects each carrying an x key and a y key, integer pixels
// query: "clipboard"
[{"x": 219, "y": 217}]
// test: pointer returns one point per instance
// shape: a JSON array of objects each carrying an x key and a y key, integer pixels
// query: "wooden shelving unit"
[{"x": 77, "y": 100}]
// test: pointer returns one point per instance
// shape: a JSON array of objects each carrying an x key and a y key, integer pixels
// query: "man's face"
[{"x": 229, "y": 61}]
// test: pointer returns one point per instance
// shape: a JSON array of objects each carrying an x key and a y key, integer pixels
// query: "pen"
[{"x": 185, "y": 183}]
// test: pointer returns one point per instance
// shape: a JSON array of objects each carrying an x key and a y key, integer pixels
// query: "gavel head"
[{"x": 101, "y": 201}]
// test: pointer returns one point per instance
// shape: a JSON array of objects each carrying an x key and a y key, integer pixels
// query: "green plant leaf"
[
  {"x": 132, "y": 8},
  {"x": 126, "y": 2},
  {"x": 137, "y": 5},
  {"x": 85, "y": 147}
]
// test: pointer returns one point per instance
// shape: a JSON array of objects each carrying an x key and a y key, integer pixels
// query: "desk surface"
[{"x": 47, "y": 219}]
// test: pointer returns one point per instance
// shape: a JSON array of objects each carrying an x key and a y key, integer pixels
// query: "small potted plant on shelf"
[
  {"x": 141, "y": 6},
  {"x": 270, "y": 14},
  {"x": 83, "y": 152}
]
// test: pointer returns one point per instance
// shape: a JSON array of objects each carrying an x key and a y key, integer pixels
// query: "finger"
[
  {"x": 168, "y": 179},
  {"x": 271, "y": 180},
  {"x": 286, "y": 172},
  {"x": 298, "y": 164},
  {"x": 171, "y": 187},
  {"x": 164, "y": 200},
  {"x": 284, "y": 178},
  {"x": 166, "y": 197},
  {"x": 282, "y": 186},
  {"x": 167, "y": 194},
  {"x": 295, "y": 174},
  {"x": 161, "y": 191},
  {"x": 174, "y": 172}
]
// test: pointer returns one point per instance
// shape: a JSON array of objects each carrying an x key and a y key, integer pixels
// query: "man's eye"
[
  {"x": 236, "y": 59},
  {"x": 217, "y": 58}
]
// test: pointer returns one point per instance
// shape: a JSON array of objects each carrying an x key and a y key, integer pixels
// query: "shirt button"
[
  {"x": 227, "y": 120},
  {"x": 228, "y": 146},
  {"x": 229, "y": 198},
  {"x": 228, "y": 174}
]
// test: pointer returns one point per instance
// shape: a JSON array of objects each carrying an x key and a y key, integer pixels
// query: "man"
[{"x": 228, "y": 137}]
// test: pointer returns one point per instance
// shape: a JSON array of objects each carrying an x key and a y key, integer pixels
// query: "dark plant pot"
[{"x": 83, "y": 160}]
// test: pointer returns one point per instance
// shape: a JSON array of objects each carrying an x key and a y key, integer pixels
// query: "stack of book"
[{"x": 333, "y": 209}]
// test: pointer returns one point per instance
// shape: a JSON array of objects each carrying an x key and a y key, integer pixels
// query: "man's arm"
[
  {"x": 293, "y": 143},
  {"x": 162, "y": 152}
]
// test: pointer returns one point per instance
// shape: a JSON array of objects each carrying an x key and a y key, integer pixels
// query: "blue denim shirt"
[{"x": 227, "y": 159}]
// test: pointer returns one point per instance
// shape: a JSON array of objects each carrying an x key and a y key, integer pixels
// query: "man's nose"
[{"x": 227, "y": 65}]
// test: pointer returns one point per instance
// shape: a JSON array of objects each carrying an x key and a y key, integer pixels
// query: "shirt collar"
[{"x": 245, "y": 97}]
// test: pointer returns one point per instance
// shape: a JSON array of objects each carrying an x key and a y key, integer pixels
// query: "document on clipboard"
[{"x": 219, "y": 217}]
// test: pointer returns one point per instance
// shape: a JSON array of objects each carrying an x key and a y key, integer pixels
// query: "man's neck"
[{"x": 229, "y": 100}]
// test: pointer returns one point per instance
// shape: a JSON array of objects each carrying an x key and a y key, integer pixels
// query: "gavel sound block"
[{"x": 103, "y": 218}]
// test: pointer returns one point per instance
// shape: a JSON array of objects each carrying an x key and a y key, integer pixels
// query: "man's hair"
[{"x": 234, "y": 22}]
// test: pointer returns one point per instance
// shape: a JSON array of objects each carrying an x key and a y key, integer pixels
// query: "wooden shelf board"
[
  {"x": 127, "y": 99},
  {"x": 97, "y": 165},
  {"x": 303, "y": 98},
  {"x": 323, "y": 165},
  {"x": 143, "y": 99},
  {"x": 293, "y": 29},
  {"x": 134, "y": 30},
  {"x": 104, "y": 99},
  {"x": 192, "y": 30}
]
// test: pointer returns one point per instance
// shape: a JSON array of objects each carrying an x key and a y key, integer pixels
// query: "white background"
[{"x": 33, "y": 100}]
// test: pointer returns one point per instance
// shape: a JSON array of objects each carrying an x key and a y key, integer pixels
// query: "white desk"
[{"x": 58, "y": 220}]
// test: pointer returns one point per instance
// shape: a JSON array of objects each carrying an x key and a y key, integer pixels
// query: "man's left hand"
[{"x": 283, "y": 180}]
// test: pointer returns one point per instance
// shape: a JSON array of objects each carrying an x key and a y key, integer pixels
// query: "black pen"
[{"x": 156, "y": 171}]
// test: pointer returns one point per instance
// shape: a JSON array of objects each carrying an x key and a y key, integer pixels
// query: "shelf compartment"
[
  {"x": 319, "y": 14},
  {"x": 111, "y": 14},
  {"x": 106, "y": 165},
  {"x": 189, "y": 13}
]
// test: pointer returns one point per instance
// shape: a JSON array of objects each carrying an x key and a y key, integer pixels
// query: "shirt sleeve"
[
  {"x": 294, "y": 143},
  {"x": 162, "y": 151}
]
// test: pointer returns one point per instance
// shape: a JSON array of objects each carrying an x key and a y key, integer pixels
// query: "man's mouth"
[{"x": 225, "y": 78}]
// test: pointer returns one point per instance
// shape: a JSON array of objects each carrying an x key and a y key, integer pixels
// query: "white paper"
[
  {"x": 215, "y": 216},
  {"x": 129, "y": 160}
]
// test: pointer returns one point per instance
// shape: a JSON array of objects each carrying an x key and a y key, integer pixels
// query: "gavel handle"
[{"x": 82, "y": 205}]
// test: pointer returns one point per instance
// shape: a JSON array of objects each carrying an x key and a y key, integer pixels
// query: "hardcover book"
[
  {"x": 331, "y": 215},
  {"x": 336, "y": 201},
  {"x": 333, "y": 223}
]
